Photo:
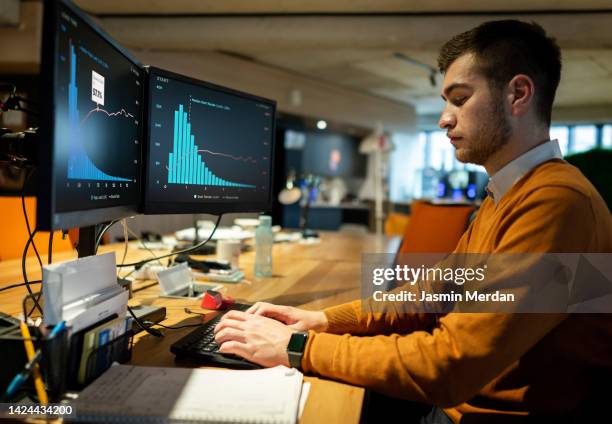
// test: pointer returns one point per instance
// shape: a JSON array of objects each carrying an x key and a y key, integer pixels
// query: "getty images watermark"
[{"x": 499, "y": 282}]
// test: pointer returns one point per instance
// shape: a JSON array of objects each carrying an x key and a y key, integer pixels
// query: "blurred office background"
[{"x": 353, "y": 79}]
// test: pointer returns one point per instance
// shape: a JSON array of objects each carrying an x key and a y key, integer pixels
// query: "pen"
[
  {"x": 32, "y": 365},
  {"x": 56, "y": 330}
]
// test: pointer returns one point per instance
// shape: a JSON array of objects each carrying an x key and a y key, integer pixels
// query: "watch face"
[{"x": 297, "y": 342}]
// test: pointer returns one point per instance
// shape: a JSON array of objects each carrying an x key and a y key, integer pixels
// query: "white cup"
[{"x": 229, "y": 250}]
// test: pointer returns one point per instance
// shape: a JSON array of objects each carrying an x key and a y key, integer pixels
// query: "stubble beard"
[{"x": 490, "y": 136}]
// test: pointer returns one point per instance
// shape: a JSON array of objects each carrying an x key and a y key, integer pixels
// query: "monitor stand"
[
  {"x": 208, "y": 249},
  {"x": 87, "y": 241}
]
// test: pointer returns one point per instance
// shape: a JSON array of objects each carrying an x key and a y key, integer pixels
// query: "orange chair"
[
  {"x": 396, "y": 223},
  {"x": 435, "y": 228},
  {"x": 15, "y": 232}
]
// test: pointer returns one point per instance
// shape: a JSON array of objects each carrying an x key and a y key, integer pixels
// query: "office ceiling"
[
  {"x": 356, "y": 43},
  {"x": 139, "y": 7}
]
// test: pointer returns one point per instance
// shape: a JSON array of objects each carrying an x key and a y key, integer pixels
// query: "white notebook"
[{"x": 153, "y": 394}]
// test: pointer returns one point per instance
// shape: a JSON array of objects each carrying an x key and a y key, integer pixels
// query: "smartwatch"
[{"x": 295, "y": 349}]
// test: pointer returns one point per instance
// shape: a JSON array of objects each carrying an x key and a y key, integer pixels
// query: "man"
[{"x": 500, "y": 80}]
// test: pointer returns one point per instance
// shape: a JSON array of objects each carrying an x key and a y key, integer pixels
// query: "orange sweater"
[{"x": 481, "y": 365}]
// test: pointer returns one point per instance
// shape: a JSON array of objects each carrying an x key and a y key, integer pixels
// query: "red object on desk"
[{"x": 213, "y": 300}]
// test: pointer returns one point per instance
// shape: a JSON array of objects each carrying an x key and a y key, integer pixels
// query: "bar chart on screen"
[
  {"x": 87, "y": 114},
  {"x": 186, "y": 163},
  {"x": 207, "y": 143}
]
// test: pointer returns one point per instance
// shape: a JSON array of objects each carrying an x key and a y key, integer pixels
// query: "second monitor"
[{"x": 210, "y": 149}]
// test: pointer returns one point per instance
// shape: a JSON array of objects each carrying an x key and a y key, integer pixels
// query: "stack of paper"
[{"x": 83, "y": 292}]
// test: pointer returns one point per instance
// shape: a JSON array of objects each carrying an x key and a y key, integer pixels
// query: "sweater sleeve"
[
  {"x": 359, "y": 318},
  {"x": 445, "y": 367},
  {"x": 465, "y": 351}
]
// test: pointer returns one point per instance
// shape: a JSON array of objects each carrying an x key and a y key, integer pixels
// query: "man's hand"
[
  {"x": 255, "y": 338},
  {"x": 297, "y": 319}
]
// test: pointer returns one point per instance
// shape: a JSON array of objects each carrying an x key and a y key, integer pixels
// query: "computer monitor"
[
  {"x": 462, "y": 185},
  {"x": 333, "y": 155},
  {"x": 90, "y": 136},
  {"x": 209, "y": 149}
]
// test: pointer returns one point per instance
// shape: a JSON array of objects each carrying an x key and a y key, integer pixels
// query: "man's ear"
[{"x": 521, "y": 92}]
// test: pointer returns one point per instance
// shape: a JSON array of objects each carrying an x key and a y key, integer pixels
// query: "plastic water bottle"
[{"x": 263, "y": 247}]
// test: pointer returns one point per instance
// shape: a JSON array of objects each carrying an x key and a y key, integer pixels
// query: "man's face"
[{"x": 474, "y": 117}]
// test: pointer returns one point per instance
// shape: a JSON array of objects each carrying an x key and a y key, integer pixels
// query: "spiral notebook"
[{"x": 134, "y": 394}]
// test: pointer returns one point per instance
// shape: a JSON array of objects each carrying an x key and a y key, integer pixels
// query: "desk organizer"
[
  {"x": 99, "y": 360},
  {"x": 52, "y": 363}
]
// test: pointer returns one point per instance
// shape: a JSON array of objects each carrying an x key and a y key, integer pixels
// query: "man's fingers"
[
  {"x": 236, "y": 348},
  {"x": 277, "y": 312},
  {"x": 230, "y": 334},
  {"x": 236, "y": 315},
  {"x": 263, "y": 308},
  {"x": 229, "y": 323},
  {"x": 254, "y": 308}
]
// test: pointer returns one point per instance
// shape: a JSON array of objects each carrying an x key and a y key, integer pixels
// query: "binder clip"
[{"x": 214, "y": 300}]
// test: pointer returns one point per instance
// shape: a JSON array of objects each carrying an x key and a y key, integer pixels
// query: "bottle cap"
[{"x": 265, "y": 220}]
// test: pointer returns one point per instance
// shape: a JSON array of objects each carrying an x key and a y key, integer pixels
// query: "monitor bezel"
[
  {"x": 47, "y": 217},
  {"x": 157, "y": 208}
]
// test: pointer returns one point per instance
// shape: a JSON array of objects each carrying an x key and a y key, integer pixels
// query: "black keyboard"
[{"x": 200, "y": 345}]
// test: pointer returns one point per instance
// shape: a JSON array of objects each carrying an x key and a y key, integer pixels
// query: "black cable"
[
  {"x": 31, "y": 234},
  {"x": 12, "y": 286},
  {"x": 25, "y": 214},
  {"x": 24, "y": 310},
  {"x": 34, "y": 298},
  {"x": 189, "y": 249},
  {"x": 25, "y": 276},
  {"x": 49, "y": 261},
  {"x": 50, "y": 251},
  {"x": 171, "y": 327},
  {"x": 23, "y": 261},
  {"x": 152, "y": 331}
]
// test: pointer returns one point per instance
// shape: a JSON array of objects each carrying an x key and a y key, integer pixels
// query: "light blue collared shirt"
[{"x": 505, "y": 178}]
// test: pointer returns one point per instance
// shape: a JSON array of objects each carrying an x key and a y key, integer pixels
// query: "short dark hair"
[{"x": 506, "y": 48}]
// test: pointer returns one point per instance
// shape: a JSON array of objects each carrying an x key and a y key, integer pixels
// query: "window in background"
[
  {"x": 561, "y": 133},
  {"x": 585, "y": 138},
  {"x": 442, "y": 151},
  {"x": 406, "y": 162},
  {"x": 433, "y": 149},
  {"x": 607, "y": 137}
]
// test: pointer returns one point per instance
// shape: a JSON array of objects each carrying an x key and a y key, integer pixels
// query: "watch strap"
[{"x": 295, "y": 349}]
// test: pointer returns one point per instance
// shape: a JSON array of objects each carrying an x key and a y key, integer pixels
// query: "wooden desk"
[{"x": 311, "y": 276}]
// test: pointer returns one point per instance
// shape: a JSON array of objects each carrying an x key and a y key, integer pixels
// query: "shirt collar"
[{"x": 505, "y": 178}]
